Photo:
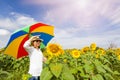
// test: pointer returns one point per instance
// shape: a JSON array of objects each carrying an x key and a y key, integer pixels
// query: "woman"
[{"x": 32, "y": 46}]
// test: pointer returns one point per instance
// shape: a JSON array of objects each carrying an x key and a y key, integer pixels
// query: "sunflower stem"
[
  {"x": 76, "y": 68},
  {"x": 76, "y": 63}
]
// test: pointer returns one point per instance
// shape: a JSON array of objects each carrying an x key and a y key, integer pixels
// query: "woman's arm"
[{"x": 27, "y": 45}]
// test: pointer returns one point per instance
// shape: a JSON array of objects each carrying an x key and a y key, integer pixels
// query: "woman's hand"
[
  {"x": 44, "y": 59},
  {"x": 31, "y": 38}
]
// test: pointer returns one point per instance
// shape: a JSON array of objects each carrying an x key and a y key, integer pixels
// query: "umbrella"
[{"x": 18, "y": 38}]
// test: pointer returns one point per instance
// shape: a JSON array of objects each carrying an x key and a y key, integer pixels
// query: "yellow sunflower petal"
[
  {"x": 54, "y": 49},
  {"x": 75, "y": 54},
  {"x": 93, "y": 46}
]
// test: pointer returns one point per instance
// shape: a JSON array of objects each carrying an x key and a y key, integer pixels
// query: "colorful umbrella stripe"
[{"x": 18, "y": 38}]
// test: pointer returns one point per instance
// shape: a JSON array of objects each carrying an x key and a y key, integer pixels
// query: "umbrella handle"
[{"x": 29, "y": 35}]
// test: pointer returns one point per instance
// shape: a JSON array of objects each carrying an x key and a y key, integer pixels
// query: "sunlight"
[{"x": 83, "y": 3}]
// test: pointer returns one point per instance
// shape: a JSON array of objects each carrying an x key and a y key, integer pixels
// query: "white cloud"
[
  {"x": 4, "y": 32},
  {"x": 22, "y": 19},
  {"x": 4, "y": 37},
  {"x": 11, "y": 23},
  {"x": 116, "y": 16},
  {"x": 7, "y": 23},
  {"x": 69, "y": 40},
  {"x": 81, "y": 12},
  {"x": 79, "y": 42},
  {"x": 87, "y": 15},
  {"x": 94, "y": 15},
  {"x": 16, "y": 21}
]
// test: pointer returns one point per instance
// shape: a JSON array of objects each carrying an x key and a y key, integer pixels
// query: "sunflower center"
[
  {"x": 54, "y": 48},
  {"x": 76, "y": 53}
]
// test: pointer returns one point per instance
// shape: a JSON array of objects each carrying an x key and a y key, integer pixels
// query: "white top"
[{"x": 36, "y": 59}]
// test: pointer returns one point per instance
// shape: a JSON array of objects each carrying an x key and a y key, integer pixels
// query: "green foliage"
[
  {"x": 66, "y": 74},
  {"x": 97, "y": 77},
  {"x": 11, "y": 68},
  {"x": 46, "y": 74},
  {"x": 26, "y": 76},
  {"x": 64, "y": 67},
  {"x": 56, "y": 69}
]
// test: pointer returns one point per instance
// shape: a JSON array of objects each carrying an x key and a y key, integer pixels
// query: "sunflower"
[
  {"x": 117, "y": 51},
  {"x": 50, "y": 56},
  {"x": 118, "y": 57},
  {"x": 85, "y": 49},
  {"x": 54, "y": 49},
  {"x": 100, "y": 51},
  {"x": 97, "y": 55},
  {"x": 75, "y": 54},
  {"x": 62, "y": 51},
  {"x": 93, "y": 46}
]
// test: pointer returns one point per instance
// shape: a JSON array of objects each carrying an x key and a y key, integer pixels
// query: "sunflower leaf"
[
  {"x": 46, "y": 74},
  {"x": 56, "y": 69}
]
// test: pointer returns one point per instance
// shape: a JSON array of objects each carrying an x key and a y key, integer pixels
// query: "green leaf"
[
  {"x": 108, "y": 76},
  {"x": 97, "y": 62},
  {"x": 88, "y": 68},
  {"x": 116, "y": 73},
  {"x": 56, "y": 69},
  {"x": 85, "y": 79},
  {"x": 46, "y": 74},
  {"x": 66, "y": 74},
  {"x": 73, "y": 70},
  {"x": 85, "y": 76},
  {"x": 106, "y": 61},
  {"x": 4, "y": 72},
  {"x": 107, "y": 68},
  {"x": 99, "y": 67},
  {"x": 94, "y": 78},
  {"x": 82, "y": 73},
  {"x": 99, "y": 77}
]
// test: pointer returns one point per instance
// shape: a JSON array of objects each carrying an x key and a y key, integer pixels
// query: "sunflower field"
[{"x": 88, "y": 63}]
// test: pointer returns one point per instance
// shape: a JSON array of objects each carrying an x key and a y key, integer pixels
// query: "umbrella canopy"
[{"x": 18, "y": 38}]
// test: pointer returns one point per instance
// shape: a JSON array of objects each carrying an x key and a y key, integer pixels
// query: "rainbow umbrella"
[{"x": 18, "y": 38}]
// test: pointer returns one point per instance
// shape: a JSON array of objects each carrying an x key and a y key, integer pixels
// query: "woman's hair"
[{"x": 33, "y": 45}]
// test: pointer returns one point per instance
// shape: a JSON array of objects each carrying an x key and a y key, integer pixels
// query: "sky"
[{"x": 77, "y": 23}]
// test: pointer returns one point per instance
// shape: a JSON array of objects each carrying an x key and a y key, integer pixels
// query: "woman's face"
[{"x": 36, "y": 43}]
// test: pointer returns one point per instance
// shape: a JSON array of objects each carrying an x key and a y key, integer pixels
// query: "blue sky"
[{"x": 78, "y": 23}]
